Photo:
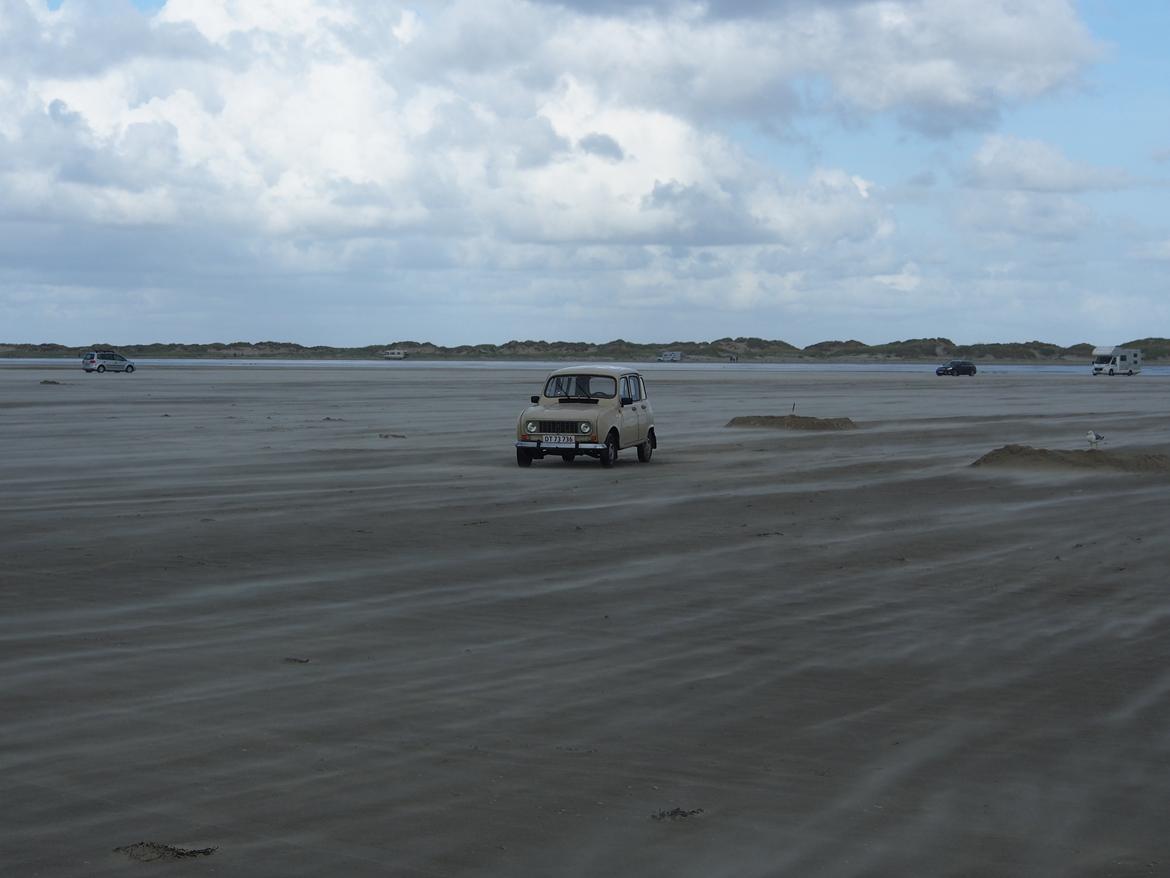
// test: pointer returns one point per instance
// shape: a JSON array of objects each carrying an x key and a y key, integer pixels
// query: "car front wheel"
[
  {"x": 523, "y": 457},
  {"x": 610, "y": 452},
  {"x": 129, "y": 369}
]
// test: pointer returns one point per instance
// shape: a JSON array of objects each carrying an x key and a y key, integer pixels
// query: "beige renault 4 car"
[{"x": 590, "y": 410}]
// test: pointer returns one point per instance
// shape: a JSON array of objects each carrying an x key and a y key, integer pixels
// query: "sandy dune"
[
  {"x": 316, "y": 622},
  {"x": 1027, "y": 457}
]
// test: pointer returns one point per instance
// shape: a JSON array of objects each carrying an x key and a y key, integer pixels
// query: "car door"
[
  {"x": 638, "y": 391},
  {"x": 628, "y": 413},
  {"x": 646, "y": 413},
  {"x": 638, "y": 395}
]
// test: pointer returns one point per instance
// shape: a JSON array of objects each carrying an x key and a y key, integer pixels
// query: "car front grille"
[{"x": 559, "y": 426}]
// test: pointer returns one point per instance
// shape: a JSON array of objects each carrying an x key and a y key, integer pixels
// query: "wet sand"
[{"x": 319, "y": 621}]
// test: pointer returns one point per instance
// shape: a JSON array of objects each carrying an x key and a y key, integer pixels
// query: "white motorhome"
[
  {"x": 1116, "y": 361},
  {"x": 394, "y": 355},
  {"x": 670, "y": 357}
]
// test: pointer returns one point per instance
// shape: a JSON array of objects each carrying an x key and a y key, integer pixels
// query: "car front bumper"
[{"x": 536, "y": 445}]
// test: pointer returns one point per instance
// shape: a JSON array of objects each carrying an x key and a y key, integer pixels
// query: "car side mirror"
[
  {"x": 535, "y": 399},
  {"x": 627, "y": 400}
]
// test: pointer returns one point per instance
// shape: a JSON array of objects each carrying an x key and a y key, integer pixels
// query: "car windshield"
[
  {"x": 1104, "y": 358},
  {"x": 581, "y": 387}
]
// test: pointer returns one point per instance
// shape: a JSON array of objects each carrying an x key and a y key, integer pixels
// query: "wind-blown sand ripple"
[{"x": 792, "y": 422}]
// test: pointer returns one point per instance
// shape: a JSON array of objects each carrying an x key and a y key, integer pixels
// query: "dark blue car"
[{"x": 956, "y": 367}]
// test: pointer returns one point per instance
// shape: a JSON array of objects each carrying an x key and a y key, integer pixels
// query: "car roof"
[{"x": 596, "y": 369}]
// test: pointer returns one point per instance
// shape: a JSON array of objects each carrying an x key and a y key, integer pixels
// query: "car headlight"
[
  {"x": 585, "y": 427},
  {"x": 531, "y": 427}
]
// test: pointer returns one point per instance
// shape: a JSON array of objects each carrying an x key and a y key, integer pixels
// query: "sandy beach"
[{"x": 316, "y": 622}]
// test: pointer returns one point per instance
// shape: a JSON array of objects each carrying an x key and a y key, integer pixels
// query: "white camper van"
[{"x": 1116, "y": 361}]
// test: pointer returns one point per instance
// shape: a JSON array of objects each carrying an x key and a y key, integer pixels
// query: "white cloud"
[
  {"x": 308, "y": 21},
  {"x": 1158, "y": 251},
  {"x": 906, "y": 280},
  {"x": 961, "y": 57},
  {"x": 940, "y": 65},
  {"x": 1013, "y": 163},
  {"x": 302, "y": 100},
  {"x": 494, "y": 150},
  {"x": 1013, "y": 215},
  {"x": 409, "y": 27}
]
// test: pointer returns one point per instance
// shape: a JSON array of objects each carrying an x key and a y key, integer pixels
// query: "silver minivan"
[{"x": 105, "y": 361}]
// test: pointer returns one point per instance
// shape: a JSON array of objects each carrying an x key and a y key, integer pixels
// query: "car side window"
[
  {"x": 635, "y": 389},
  {"x": 642, "y": 385},
  {"x": 625, "y": 388}
]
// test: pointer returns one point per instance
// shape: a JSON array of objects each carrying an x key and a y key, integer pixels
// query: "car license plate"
[{"x": 558, "y": 440}]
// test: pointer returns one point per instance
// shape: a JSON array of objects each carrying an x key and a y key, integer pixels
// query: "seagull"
[{"x": 1094, "y": 437}]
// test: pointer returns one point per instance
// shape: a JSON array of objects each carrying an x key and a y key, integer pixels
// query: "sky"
[{"x": 349, "y": 172}]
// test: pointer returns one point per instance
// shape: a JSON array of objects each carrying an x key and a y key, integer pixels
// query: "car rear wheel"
[
  {"x": 523, "y": 457},
  {"x": 568, "y": 457},
  {"x": 645, "y": 451},
  {"x": 101, "y": 368},
  {"x": 610, "y": 452}
]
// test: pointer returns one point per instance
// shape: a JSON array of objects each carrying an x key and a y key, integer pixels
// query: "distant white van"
[
  {"x": 670, "y": 357},
  {"x": 1116, "y": 361},
  {"x": 394, "y": 354}
]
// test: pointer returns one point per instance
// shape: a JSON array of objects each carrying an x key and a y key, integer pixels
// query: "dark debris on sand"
[
  {"x": 676, "y": 814},
  {"x": 151, "y": 851}
]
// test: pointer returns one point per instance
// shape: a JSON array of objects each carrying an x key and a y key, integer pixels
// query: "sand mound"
[
  {"x": 792, "y": 422},
  {"x": 1025, "y": 456}
]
